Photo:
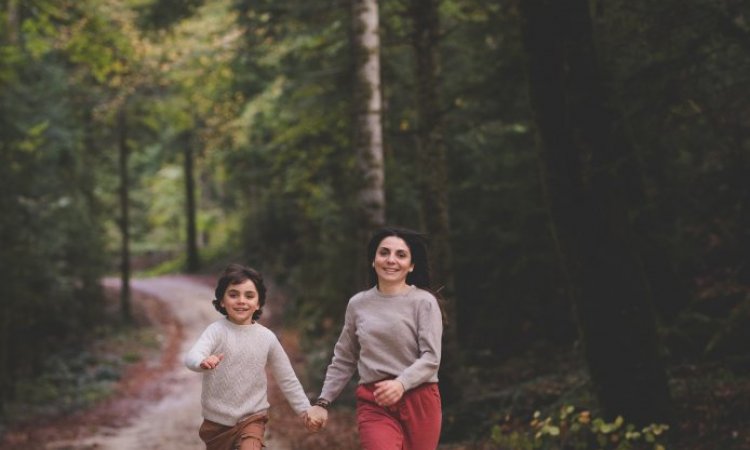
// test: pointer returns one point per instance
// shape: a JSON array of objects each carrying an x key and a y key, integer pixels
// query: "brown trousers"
[{"x": 246, "y": 435}]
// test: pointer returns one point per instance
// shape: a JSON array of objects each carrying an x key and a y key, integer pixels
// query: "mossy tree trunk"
[{"x": 585, "y": 168}]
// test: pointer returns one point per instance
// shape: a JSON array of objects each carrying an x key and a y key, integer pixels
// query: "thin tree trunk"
[
  {"x": 6, "y": 378},
  {"x": 433, "y": 179},
  {"x": 583, "y": 168},
  {"x": 13, "y": 21},
  {"x": 368, "y": 128},
  {"x": 193, "y": 258},
  {"x": 124, "y": 214},
  {"x": 5, "y": 366}
]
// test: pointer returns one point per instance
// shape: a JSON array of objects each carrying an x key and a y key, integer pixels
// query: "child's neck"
[{"x": 237, "y": 323}]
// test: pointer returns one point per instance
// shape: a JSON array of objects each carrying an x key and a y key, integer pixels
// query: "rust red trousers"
[
  {"x": 246, "y": 435},
  {"x": 413, "y": 423}
]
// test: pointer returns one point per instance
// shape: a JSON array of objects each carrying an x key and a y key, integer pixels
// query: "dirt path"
[
  {"x": 157, "y": 402},
  {"x": 173, "y": 420}
]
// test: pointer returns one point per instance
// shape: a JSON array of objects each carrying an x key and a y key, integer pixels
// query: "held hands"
[
  {"x": 212, "y": 361},
  {"x": 315, "y": 418},
  {"x": 388, "y": 392}
]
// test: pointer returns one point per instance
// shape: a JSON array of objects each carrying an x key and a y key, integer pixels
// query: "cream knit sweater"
[{"x": 238, "y": 387}]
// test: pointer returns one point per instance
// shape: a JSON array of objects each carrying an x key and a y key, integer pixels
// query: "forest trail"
[
  {"x": 170, "y": 420},
  {"x": 157, "y": 405}
]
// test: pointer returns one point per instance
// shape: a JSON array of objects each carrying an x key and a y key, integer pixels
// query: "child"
[{"x": 233, "y": 353}]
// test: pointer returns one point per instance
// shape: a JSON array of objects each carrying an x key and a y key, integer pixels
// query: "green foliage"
[
  {"x": 578, "y": 430},
  {"x": 157, "y": 14},
  {"x": 263, "y": 88},
  {"x": 51, "y": 228},
  {"x": 292, "y": 169},
  {"x": 67, "y": 382}
]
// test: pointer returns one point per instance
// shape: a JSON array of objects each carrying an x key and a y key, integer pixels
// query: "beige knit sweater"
[
  {"x": 387, "y": 336},
  {"x": 238, "y": 387}
]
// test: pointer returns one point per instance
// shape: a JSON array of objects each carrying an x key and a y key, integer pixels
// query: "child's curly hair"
[{"x": 236, "y": 274}]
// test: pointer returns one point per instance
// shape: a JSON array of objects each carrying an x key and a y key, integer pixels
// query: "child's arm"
[
  {"x": 201, "y": 356},
  {"x": 282, "y": 371}
]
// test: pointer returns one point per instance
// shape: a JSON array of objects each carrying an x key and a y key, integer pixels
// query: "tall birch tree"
[{"x": 368, "y": 127}]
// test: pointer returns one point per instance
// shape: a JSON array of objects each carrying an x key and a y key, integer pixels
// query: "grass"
[{"x": 77, "y": 378}]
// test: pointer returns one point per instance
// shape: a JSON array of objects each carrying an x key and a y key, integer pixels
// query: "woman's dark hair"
[
  {"x": 417, "y": 243},
  {"x": 236, "y": 274}
]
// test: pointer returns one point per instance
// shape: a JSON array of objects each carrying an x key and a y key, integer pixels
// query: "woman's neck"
[{"x": 390, "y": 289}]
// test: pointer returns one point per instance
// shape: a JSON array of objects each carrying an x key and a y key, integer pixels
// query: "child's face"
[{"x": 241, "y": 301}]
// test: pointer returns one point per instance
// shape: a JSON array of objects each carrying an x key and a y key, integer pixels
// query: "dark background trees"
[{"x": 613, "y": 135}]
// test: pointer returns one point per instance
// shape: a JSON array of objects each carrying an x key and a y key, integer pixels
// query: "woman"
[{"x": 392, "y": 337}]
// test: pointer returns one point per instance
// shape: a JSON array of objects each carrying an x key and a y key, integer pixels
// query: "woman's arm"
[
  {"x": 345, "y": 357},
  {"x": 429, "y": 340}
]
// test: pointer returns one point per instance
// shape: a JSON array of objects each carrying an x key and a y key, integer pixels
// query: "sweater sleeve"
[
  {"x": 345, "y": 357},
  {"x": 429, "y": 340},
  {"x": 202, "y": 348},
  {"x": 283, "y": 372}
]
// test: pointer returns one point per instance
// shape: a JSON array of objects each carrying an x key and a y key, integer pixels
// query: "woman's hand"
[
  {"x": 212, "y": 361},
  {"x": 388, "y": 392},
  {"x": 316, "y": 418}
]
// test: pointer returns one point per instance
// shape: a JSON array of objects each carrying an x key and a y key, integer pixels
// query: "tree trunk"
[
  {"x": 368, "y": 128},
  {"x": 584, "y": 167},
  {"x": 6, "y": 382},
  {"x": 5, "y": 372},
  {"x": 13, "y": 21},
  {"x": 433, "y": 179},
  {"x": 193, "y": 258},
  {"x": 124, "y": 214}
]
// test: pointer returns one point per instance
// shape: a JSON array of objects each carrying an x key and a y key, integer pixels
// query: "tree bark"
[
  {"x": 368, "y": 128},
  {"x": 191, "y": 244},
  {"x": 433, "y": 179},
  {"x": 584, "y": 167},
  {"x": 125, "y": 309},
  {"x": 13, "y": 21},
  {"x": 368, "y": 135}
]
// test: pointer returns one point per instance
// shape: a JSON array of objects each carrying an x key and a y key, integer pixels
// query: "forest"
[{"x": 580, "y": 167}]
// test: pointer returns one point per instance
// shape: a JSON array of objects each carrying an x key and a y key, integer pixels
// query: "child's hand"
[
  {"x": 316, "y": 418},
  {"x": 212, "y": 361}
]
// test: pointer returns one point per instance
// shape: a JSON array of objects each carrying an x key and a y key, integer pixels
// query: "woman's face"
[
  {"x": 241, "y": 301},
  {"x": 392, "y": 261}
]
